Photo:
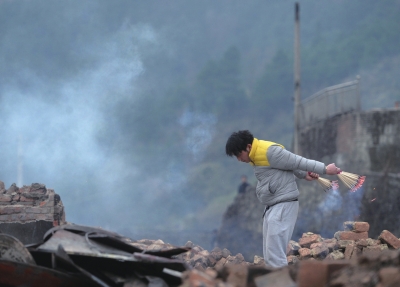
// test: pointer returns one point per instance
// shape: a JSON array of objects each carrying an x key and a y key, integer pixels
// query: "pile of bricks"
[
  {"x": 348, "y": 259},
  {"x": 351, "y": 242},
  {"x": 28, "y": 212}
]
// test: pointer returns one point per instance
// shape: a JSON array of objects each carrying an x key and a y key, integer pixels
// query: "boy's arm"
[
  {"x": 301, "y": 174},
  {"x": 280, "y": 158}
]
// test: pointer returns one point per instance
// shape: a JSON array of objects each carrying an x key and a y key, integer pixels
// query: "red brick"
[
  {"x": 390, "y": 239},
  {"x": 5, "y": 198},
  {"x": 349, "y": 235},
  {"x": 361, "y": 226},
  {"x": 10, "y": 209},
  {"x": 306, "y": 241},
  {"x": 362, "y": 243},
  {"x": 320, "y": 251},
  {"x": 25, "y": 199},
  {"x": 317, "y": 273},
  {"x": 350, "y": 250},
  {"x": 305, "y": 253}
]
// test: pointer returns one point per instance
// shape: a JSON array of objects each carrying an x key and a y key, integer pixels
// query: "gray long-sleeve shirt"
[{"x": 276, "y": 183}]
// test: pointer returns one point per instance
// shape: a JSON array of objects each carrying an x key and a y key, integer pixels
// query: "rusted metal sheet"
[{"x": 22, "y": 274}]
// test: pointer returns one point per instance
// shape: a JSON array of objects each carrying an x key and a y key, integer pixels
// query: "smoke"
[
  {"x": 332, "y": 202},
  {"x": 62, "y": 121},
  {"x": 337, "y": 208},
  {"x": 200, "y": 129}
]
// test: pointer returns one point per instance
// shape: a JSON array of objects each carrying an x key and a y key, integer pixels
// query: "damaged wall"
[
  {"x": 365, "y": 143},
  {"x": 28, "y": 212}
]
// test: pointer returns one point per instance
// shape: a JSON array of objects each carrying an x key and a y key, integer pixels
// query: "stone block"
[
  {"x": 350, "y": 235},
  {"x": 388, "y": 238},
  {"x": 2, "y": 187},
  {"x": 356, "y": 226}
]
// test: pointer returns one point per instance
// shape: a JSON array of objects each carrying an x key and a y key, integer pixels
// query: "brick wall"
[{"x": 29, "y": 211}]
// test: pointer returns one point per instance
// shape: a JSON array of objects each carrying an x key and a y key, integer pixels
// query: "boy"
[{"x": 275, "y": 168}]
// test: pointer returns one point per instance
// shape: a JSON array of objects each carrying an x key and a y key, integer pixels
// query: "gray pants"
[{"x": 278, "y": 225}]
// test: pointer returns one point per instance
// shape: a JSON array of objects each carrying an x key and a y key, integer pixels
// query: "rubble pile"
[
  {"x": 74, "y": 255},
  {"x": 348, "y": 259}
]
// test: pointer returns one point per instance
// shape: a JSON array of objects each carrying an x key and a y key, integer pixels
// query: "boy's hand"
[
  {"x": 311, "y": 176},
  {"x": 331, "y": 169}
]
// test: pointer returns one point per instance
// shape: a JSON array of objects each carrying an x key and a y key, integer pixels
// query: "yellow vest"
[{"x": 258, "y": 153}]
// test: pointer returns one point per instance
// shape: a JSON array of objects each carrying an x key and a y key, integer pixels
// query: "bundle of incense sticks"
[
  {"x": 326, "y": 184},
  {"x": 351, "y": 180}
]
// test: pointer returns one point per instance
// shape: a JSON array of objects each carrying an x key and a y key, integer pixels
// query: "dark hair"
[{"x": 238, "y": 142}]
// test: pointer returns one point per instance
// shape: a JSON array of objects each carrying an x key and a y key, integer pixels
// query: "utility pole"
[
  {"x": 297, "y": 97},
  {"x": 20, "y": 164}
]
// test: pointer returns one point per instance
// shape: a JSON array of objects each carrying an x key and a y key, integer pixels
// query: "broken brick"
[
  {"x": 349, "y": 235},
  {"x": 391, "y": 240}
]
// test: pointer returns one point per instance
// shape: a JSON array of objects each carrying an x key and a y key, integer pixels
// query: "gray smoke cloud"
[{"x": 61, "y": 121}]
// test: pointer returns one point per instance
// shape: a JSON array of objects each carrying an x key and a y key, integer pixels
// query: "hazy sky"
[{"x": 66, "y": 66}]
